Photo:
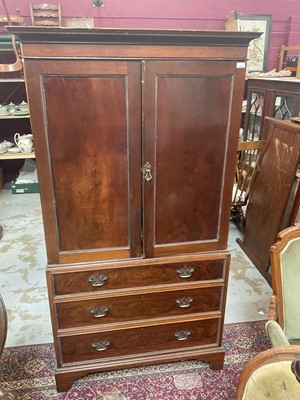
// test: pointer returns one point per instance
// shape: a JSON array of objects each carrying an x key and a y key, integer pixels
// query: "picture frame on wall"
[{"x": 258, "y": 48}]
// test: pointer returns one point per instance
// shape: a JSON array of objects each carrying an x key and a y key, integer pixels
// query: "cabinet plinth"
[{"x": 136, "y": 147}]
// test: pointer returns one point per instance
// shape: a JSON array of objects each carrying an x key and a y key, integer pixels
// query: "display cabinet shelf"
[
  {"x": 11, "y": 80},
  {"x": 13, "y": 90},
  {"x": 17, "y": 156},
  {"x": 8, "y": 117}
]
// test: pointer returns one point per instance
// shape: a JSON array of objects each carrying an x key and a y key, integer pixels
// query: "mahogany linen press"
[{"x": 135, "y": 134}]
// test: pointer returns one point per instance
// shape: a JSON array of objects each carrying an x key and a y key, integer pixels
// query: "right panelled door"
[{"x": 190, "y": 133}]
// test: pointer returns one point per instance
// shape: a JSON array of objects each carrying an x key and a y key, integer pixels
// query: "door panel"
[
  {"x": 92, "y": 133},
  {"x": 187, "y": 127}
]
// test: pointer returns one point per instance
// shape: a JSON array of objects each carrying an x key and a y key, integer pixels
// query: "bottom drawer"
[{"x": 139, "y": 340}]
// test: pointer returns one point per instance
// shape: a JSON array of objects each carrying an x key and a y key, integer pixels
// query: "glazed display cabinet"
[
  {"x": 270, "y": 97},
  {"x": 12, "y": 90},
  {"x": 136, "y": 137}
]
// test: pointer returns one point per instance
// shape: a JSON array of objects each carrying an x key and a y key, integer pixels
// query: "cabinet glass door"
[
  {"x": 255, "y": 116},
  {"x": 189, "y": 132},
  {"x": 283, "y": 107}
]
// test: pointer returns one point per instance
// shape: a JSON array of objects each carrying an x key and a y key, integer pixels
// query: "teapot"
[{"x": 24, "y": 142}]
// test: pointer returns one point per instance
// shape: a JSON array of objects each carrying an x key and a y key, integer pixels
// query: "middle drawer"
[{"x": 119, "y": 309}]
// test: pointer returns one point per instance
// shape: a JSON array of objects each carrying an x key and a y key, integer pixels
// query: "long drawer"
[
  {"x": 119, "y": 343},
  {"x": 99, "y": 279},
  {"x": 118, "y": 309}
]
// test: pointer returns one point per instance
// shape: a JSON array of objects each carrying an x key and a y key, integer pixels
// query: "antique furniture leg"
[{"x": 3, "y": 332}]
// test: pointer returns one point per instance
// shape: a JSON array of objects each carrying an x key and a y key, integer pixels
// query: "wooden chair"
[
  {"x": 17, "y": 65},
  {"x": 247, "y": 155},
  {"x": 283, "y": 51},
  {"x": 283, "y": 326},
  {"x": 45, "y": 14},
  {"x": 271, "y": 374}
]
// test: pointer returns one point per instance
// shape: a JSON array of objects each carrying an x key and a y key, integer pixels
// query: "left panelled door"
[{"x": 90, "y": 183}]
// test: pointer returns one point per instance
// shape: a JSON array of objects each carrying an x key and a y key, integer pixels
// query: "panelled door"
[
  {"x": 189, "y": 136},
  {"x": 91, "y": 182},
  {"x": 136, "y": 149}
]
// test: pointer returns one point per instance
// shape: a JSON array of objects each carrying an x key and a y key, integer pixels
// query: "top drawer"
[{"x": 106, "y": 278}]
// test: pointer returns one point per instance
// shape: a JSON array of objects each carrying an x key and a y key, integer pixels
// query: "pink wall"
[{"x": 194, "y": 14}]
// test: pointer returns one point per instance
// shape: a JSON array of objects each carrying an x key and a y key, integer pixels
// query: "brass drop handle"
[
  {"x": 97, "y": 280},
  {"x": 182, "y": 335},
  {"x": 147, "y": 171},
  {"x": 185, "y": 272},
  {"x": 99, "y": 312},
  {"x": 102, "y": 345},
  {"x": 184, "y": 302}
]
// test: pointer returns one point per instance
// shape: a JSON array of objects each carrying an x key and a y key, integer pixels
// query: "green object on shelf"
[
  {"x": 24, "y": 188},
  {"x": 6, "y": 43}
]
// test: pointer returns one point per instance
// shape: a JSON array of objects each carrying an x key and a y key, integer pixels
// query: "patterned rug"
[{"x": 29, "y": 372}]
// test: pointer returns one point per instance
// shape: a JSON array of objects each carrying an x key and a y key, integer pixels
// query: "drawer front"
[
  {"x": 132, "y": 308},
  {"x": 144, "y": 275},
  {"x": 138, "y": 340}
]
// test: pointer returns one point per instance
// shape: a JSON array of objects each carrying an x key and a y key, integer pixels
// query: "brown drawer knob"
[
  {"x": 182, "y": 335},
  {"x": 102, "y": 345},
  {"x": 97, "y": 280},
  {"x": 185, "y": 272},
  {"x": 184, "y": 302},
  {"x": 99, "y": 312}
]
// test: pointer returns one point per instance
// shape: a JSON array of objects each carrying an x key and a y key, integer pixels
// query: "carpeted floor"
[{"x": 29, "y": 372}]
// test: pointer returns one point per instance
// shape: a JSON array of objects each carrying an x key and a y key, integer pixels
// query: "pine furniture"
[{"x": 45, "y": 14}]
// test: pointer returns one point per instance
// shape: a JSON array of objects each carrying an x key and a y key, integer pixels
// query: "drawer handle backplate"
[
  {"x": 97, "y": 280},
  {"x": 185, "y": 272},
  {"x": 99, "y": 312},
  {"x": 102, "y": 345},
  {"x": 182, "y": 335},
  {"x": 184, "y": 302}
]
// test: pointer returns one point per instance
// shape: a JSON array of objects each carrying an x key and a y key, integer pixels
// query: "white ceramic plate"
[
  {"x": 14, "y": 150},
  {"x": 20, "y": 112}
]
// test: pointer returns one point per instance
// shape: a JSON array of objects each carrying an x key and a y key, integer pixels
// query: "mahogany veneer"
[{"x": 136, "y": 136}]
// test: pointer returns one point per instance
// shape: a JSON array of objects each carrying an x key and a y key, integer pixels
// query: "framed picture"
[{"x": 258, "y": 48}]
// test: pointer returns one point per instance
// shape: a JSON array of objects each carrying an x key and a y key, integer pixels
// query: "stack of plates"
[
  {"x": 5, "y": 146},
  {"x": 14, "y": 150}
]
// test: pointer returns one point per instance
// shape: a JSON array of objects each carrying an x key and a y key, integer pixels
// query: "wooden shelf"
[
  {"x": 16, "y": 156},
  {"x": 14, "y": 116},
  {"x": 13, "y": 80}
]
